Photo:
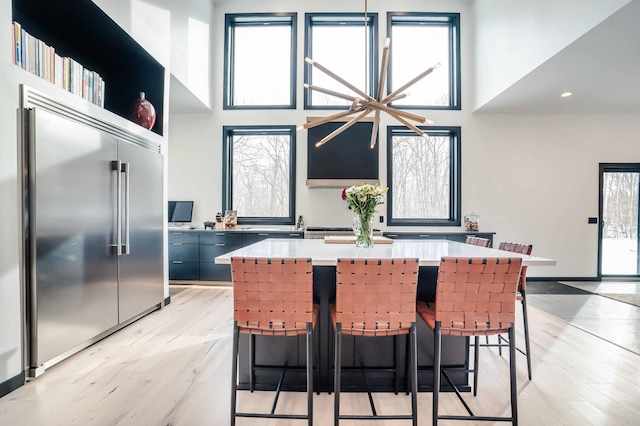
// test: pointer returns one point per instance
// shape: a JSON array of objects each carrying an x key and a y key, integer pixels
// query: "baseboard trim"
[
  {"x": 563, "y": 279},
  {"x": 12, "y": 384}
]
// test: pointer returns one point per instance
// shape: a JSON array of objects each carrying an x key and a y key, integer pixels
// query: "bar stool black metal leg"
[
  {"x": 316, "y": 348},
  {"x": 252, "y": 361},
  {"x": 512, "y": 373},
  {"x": 526, "y": 331},
  {"x": 414, "y": 375},
  {"x": 395, "y": 364},
  {"x": 336, "y": 379},
  {"x": 476, "y": 363},
  {"x": 234, "y": 372},
  {"x": 309, "y": 375},
  {"x": 436, "y": 371}
]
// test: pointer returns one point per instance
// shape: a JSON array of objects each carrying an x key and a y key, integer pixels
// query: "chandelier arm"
[
  {"x": 337, "y": 78},
  {"x": 330, "y": 92},
  {"x": 333, "y": 117},
  {"x": 396, "y": 98},
  {"x": 342, "y": 128},
  {"x": 377, "y": 105},
  {"x": 411, "y": 83},
  {"x": 409, "y": 125},
  {"x": 383, "y": 68},
  {"x": 374, "y": 130}
]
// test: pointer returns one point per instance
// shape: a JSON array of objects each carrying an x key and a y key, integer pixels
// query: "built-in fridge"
[{"x": 93, "y": 226}]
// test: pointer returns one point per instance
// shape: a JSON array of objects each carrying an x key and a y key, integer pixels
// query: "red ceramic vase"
[{"x": 143, "y": 113}]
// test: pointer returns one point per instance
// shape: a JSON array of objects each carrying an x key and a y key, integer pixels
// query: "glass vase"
[{"x": 363, "y": 228}]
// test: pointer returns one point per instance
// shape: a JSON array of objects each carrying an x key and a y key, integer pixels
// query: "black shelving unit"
[{"x": 80, "y": 30}]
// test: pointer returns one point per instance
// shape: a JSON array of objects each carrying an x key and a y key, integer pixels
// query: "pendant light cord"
[{"x": 366, "y": 49}]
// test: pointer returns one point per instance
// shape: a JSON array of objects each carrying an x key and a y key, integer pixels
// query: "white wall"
[
  {"x": 176, "y": 33},
  {"x": 512, "y": 38}
]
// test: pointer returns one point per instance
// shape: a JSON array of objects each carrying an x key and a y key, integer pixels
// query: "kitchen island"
[{"x": 378, "y": 353}]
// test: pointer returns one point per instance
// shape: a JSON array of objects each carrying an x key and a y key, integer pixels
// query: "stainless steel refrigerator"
[{"x": 93, "y": 224}]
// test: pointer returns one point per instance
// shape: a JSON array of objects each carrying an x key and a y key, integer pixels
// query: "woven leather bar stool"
[
  {"x": 522, "y": 297},
  {"x": 474, "y": 297},
  {"x": 273, "y": 297},
  {"x": 477, "y": 241},
  {"x": 375, "y": 297}
]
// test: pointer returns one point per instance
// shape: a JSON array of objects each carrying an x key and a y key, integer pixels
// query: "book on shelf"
[{"x": 37, "y": 57}]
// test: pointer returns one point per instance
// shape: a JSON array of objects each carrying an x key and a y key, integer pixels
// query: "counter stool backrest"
[
  {"x": 476, "y": 296},
  {"x": 477, "y": 241},
  {"x": 518, "y": 248},
  {"x": 272, "y": 296},
  {"x": 376, "y": 297}
]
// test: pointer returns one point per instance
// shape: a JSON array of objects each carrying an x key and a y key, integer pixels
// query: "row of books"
[{"x": 42, "y": 60}]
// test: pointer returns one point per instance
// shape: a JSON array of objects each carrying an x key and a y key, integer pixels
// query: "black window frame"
[
  {"x": 233, "y": 20},
  {"x": 452, "y": 20},
  {"x": 455, "y": 174},
  {"x": 335, "y": 19},
  {"x": 227, "y": 176}
]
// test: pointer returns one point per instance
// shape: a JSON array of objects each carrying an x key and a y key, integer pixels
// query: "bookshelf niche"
[{"x": 79, "y": 29}]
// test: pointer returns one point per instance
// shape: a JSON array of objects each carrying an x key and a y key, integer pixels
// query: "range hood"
[
  {"x": 339, "y": 183},
  {"x": 344, "y": 161}
]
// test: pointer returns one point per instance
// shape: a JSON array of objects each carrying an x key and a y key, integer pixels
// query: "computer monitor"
[{"x": 180, "y": 211}]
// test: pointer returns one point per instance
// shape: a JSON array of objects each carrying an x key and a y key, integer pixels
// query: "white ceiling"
[{"x": 601, "y": 68}]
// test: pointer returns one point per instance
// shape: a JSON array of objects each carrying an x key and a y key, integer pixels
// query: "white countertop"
[{"x": 428, "y": 251}]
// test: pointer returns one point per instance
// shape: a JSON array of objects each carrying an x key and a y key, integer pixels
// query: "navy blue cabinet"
[
  {"x": 184, "y": 255},
  {"x": 192, "y": 253},
  {"x": 452, "y": 236}
]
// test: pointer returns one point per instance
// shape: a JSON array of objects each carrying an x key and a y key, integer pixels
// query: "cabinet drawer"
[
  {"x": 214, "y": 237},
  {"x": 414, "y": 236},
  {"x": 214, "y": 272},
  {"x": 184, "y": 252},
  {"x": 209, "y": 252},
  {"x": 183, "y": 237},
  {"x": 254, "y": 237},
  {"x": 179, "y": 270}
]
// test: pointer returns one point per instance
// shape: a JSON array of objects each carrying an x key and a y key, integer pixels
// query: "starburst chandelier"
[{"x": 363, "y": 104}]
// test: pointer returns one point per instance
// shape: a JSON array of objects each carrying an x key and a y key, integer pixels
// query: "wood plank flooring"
[{"x": 173, "y": 368}]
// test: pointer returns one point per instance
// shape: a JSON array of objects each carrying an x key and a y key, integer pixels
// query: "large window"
[
  {"x": 418, "y": 41},
  {"x": 259, "y": 173},
  {"x": 423, "y": 176},
  {"x": 340, "y": 43},
  {"x": 260, "y": 61}
]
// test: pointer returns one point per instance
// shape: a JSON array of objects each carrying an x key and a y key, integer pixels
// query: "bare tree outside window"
[
  {"x": 421, "y": 171},
  {"x": 260, "y": 175}
]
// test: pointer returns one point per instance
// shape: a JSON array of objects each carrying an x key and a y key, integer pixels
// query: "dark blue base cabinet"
[
  {"x": 460, "y": 237},
  {"x": 192, "y": 252}
]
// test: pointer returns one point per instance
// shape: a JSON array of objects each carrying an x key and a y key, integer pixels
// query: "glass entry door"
[{"x": 619, "y": 190}]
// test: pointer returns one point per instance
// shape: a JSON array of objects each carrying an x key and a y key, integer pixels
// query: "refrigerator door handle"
[
  {"x": 126, "y": 248},
  {"x": 117, "y": 247}
]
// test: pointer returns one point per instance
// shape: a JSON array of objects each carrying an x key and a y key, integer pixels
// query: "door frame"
[{"x": 613, "y": 168}]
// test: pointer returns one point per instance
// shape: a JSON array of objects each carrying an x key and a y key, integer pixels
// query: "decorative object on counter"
[
  {"x": 209, "y": 225},
  {"x": 363, "y": 104},
  {"x": 364, "y": 200},
  {"x": 300, "y": 223},
  {"x": 230, "y": 218},
  {"x": 143, "y": 113},
  {"x": 472, "y": 222}
]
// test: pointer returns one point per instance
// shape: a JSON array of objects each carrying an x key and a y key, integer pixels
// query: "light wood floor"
[{"x": 173, "y": 368}]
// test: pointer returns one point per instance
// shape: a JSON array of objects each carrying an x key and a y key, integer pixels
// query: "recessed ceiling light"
[{"x": 566, "y": 94}]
